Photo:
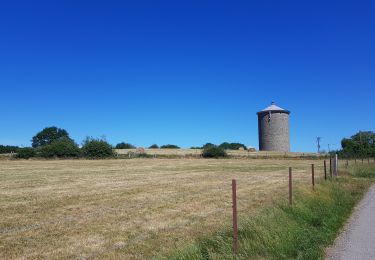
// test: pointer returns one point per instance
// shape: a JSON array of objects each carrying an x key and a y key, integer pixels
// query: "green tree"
[
  {"x": 8, "y": 149},
  {"x": 208, "y": 145},
  {"x": 362, "y": 144},
  {"x": 124, "y": 145},
  {"x": 154, "y": 146},
  {"x": 97, "y": 148},
  {"x": 170, "y": 146},
  {"x": 61, "y": 148},
  {"x": 232, "y": 146},
  {"x": 48, "y": 135}
]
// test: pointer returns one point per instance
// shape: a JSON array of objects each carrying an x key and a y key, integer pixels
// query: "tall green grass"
[
  {"x": 301, "y": 231},
  {"x": 364, "y": 171}
]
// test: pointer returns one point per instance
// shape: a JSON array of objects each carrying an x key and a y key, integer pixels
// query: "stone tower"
[{"x": 273, "y": 126}]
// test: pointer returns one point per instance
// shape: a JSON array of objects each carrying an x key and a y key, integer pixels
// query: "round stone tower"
[{"x": 273, "y": 126}]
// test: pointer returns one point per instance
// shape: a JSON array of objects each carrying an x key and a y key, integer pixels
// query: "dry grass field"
[
  {"x": 233, "y": 153},
  {"x": 129, "y": 209}
]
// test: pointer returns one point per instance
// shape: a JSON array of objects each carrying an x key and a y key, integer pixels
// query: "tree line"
[
  {"x": 360, "y": 145},
  {"x": 54, "y": 142},
  {"x": 8, "y": 149}
]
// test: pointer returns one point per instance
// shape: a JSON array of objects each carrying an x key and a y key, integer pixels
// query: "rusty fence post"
[
  {"x": 325, "y": 170},
  {"x": 313, "y": 176},
  {"x": 290, "y": 187},
  {"x": 235, "y": 224}
]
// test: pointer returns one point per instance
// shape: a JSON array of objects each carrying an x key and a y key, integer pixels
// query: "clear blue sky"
[{"x": 186, "y": 72}]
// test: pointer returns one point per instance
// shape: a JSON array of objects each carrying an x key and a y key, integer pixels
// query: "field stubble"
[{"x": 136, "y": 209}]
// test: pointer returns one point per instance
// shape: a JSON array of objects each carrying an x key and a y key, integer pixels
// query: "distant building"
[{"x": 273, "y": 127}]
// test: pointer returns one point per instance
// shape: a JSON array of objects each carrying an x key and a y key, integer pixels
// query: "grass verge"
[{"x": 301, "y": 231}]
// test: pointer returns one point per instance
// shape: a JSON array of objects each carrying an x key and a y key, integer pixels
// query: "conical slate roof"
[{"x": 273, "y": 108}]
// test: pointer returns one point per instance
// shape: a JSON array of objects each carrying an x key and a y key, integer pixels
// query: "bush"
[
  {"x": 208, "y": 145},
  {"x": 124, "y": 145},
  {"x": 154, "y": 146},
  {"x": 170, "y": 146},
  {"x": 62, "y": 148},
  {"x": 25, "y": 153},
  {"x": 232, "y": 146},
  {"x": 214, "y": 152},
  {"x": 8, "y": 149},
  {"x": 97, "y": 149}
]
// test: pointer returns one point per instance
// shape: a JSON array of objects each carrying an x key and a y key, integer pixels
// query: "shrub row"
[
  {"x": 214, "y": 151},
  {"x": 224, "y": 146},
  {"x": 67, "y": 148},
  {"x": 93, "y": 149},
  {"x": 124, "y": 145},
  {"x": 8, "y": 149}
]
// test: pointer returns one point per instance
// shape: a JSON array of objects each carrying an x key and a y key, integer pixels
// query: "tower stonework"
[{"x": 273, "y": 127}]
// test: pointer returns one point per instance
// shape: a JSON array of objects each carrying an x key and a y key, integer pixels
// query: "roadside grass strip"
[{"x": 300, "y": 231}]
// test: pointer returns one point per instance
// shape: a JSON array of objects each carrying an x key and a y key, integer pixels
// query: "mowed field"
[
  {"x": 232, "y": 153},
  {"x": 129, "y": 209}
]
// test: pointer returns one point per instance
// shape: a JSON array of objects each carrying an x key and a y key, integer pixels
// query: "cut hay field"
[
  {"x": 232, "y": 153},
  {"x": 129, "y": 209}
]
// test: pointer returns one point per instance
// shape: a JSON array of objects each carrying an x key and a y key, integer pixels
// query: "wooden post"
[
  {"x": 325, "y": 170},
  {"x": 368, "y": 160},
  {"x": 290, "y": 187},
  {"x": 362, "y": 160},
  {"x": 312, "y": 176},
  {"x": 355, "y": 160},
  {"x": 235, "y": 225}
]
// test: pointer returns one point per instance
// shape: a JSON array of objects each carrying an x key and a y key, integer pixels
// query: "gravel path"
[{"x": 357, "y": 241}]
